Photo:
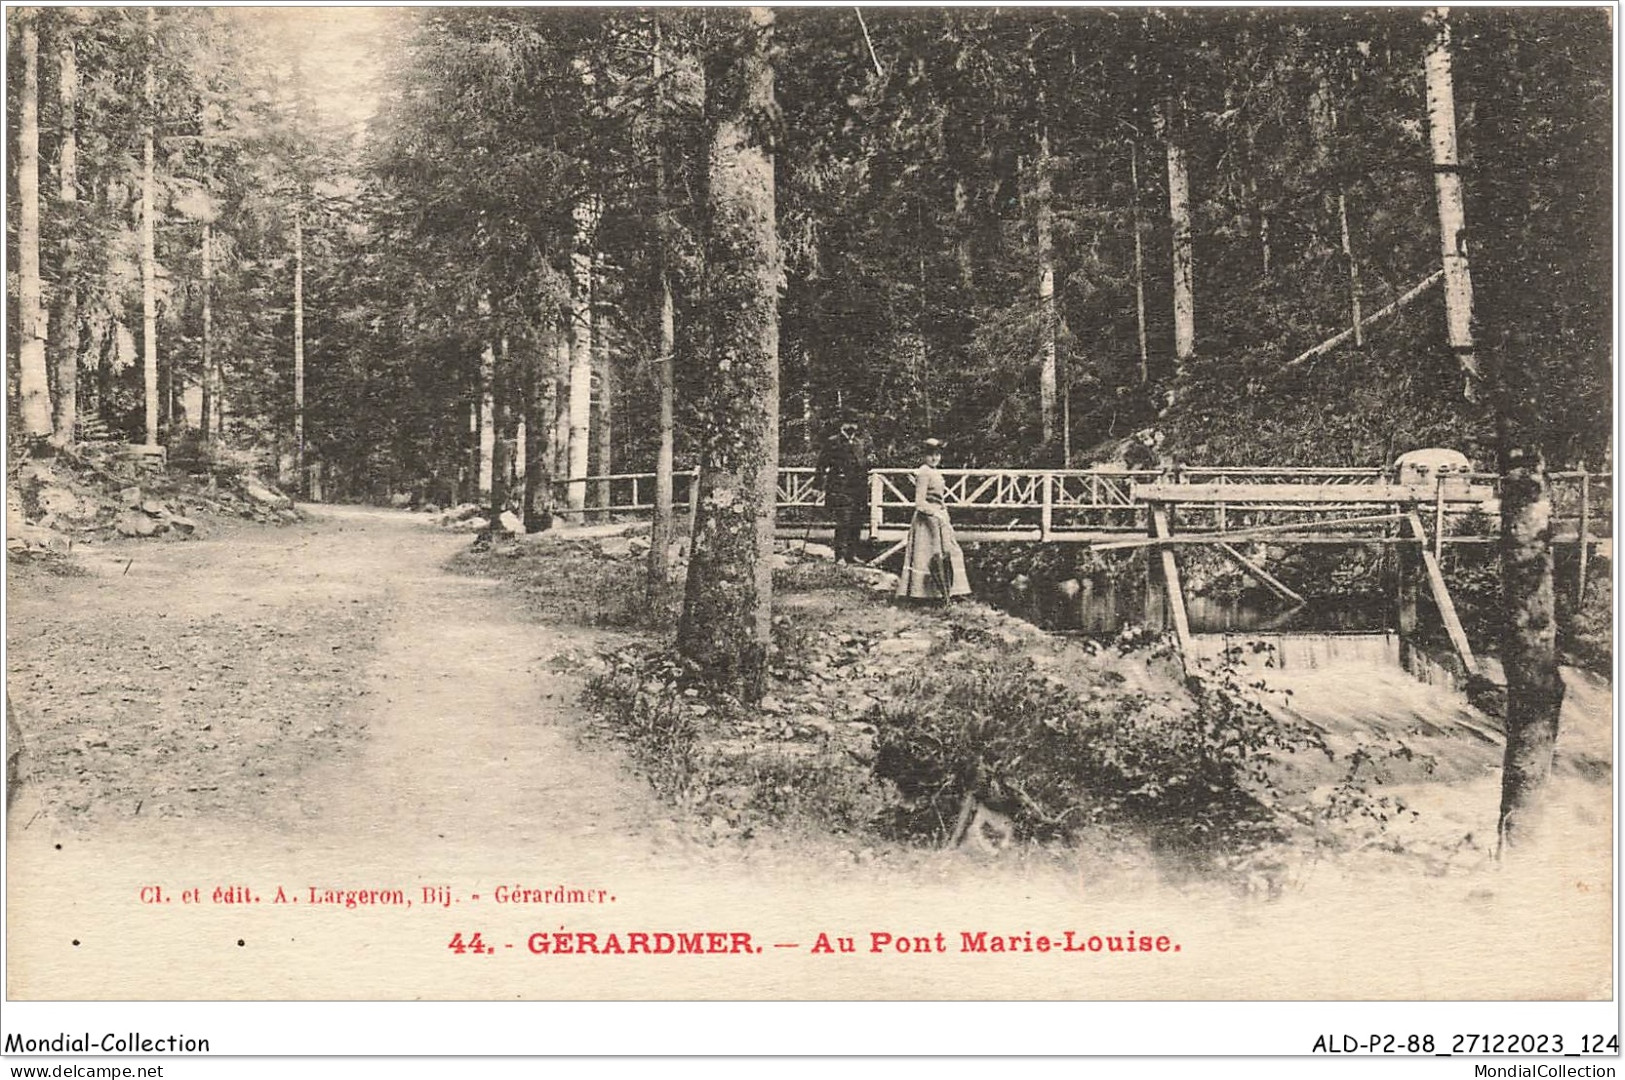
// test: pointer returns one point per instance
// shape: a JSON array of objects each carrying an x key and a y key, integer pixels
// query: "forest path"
[
  {"x": 258, "y": 723},
  {"x": 322, "y": 705},
  {"x": 470, "y": 738}
]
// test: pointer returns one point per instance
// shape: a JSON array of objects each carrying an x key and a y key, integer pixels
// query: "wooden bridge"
[
  {"x": 1111, "y": 508},
  {"x": 1162, "y": 510}
]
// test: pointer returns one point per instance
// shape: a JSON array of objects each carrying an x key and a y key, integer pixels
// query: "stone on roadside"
[
  {"x": 257, "y": 490},
  {"x": 185, "y": 526},
  {"x": 34, "y": 538},
  {"x": 885, "y": 582},
  {"x": 60, "y": 501},
  {"x": 511, "y": 523},
  {"x": 153, "y": 507},
  {"x": 130, "y": 498},
  {"x": 135, "y": 523}
]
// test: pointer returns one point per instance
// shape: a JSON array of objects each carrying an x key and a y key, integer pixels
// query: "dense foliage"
[{"x": 918, "y": 150}]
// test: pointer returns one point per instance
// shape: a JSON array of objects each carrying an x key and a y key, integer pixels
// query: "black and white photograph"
[{"x": 1094, "y": 521}]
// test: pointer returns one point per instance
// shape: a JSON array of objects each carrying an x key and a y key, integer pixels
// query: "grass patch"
[{"x": 572, "y": 583}]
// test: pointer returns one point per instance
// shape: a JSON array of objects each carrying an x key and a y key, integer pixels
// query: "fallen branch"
[{"x": 1381, "y": 313}]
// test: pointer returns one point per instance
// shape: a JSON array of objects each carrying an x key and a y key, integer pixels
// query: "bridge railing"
[
  {"x": 1038, "y": 504},
  {"x": 1044, "y": 504}
]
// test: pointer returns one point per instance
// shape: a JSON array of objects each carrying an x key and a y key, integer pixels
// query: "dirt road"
[{"x": 294, "y": 763}]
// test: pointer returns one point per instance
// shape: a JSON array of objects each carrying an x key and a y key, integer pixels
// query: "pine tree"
[{"x": 726, "y": 621}]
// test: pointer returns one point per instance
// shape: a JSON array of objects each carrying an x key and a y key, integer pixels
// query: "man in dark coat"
[{"x": 843, "y": 476}]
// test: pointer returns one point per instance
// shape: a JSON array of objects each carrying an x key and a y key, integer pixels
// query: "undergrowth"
[
  {"x": 1196, "y": 780},
  {"x": 958, "y": 723},
  {"x": 706, "y": 752}
]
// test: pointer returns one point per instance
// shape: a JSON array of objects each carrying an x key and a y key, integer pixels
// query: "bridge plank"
[{"x": 1303, "y": 493}]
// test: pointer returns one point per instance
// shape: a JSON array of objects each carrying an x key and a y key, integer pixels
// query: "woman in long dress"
[{"x": 933, "y": 564}]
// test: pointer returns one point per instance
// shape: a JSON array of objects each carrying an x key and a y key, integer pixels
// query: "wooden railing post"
[
  {"x": 1156, "y": 610},
  {"x": 1438, "y": 519},
  {"x": 693, "y": 495},
  {"x": 1047, "y": 513},
  {"x": 874, "y": 503},
  {"x": 1585, "y": 536}
]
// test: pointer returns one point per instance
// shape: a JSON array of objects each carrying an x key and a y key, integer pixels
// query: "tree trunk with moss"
[
  {"x": 726, "y": 622},
  {"x": 660, "y": 528},
  {"x": 1529, "y": 643},
  {"x": 538, "y": 403}
]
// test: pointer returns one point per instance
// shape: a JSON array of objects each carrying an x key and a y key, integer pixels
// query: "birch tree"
[
  {"x": 66, "y": 337},
  {"x": 1179, "y": 215},
  {"x": 149, "y": 253},
  {"x": 1458, "y": 279},
  {"x": 34, "y": 382},
  {"x": 580, "y": 412}
]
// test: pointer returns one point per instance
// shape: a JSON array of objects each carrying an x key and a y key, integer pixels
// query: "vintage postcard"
[{"x": 827, "y": 505}]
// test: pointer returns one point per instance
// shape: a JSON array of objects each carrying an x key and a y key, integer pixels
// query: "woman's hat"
[{"x": 933, "y": 444}]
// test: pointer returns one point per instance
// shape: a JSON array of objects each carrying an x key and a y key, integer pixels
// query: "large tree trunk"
[
  {"x": 1458, "y": 281},
  {"x": 660, "y": 534},
  {"x": 1529, "y": 645},
  {"x": 66, "y": 338},
  {"x": 496, "y": 405},
  {"x": 211, "y": 370},
  {"x": 301, "y": 484},
  {"x": 726, "y": 623},
  {"x": 659, "y": 570},
  {"x": 538, "y": 499},
  {"x": 210, "y": 408},
  {"x": 559, "y": 436},
  {"x": 34, "y": 385},
  {"x": 1139, "y": 263},
  {"x": 1044, "y": 223},
  {"x": 149, "y": 257},
  {"x": 603, "y": 366},
  {"x": 586, "y": 217},
  {"x": 487, "y": 400},
  {"x": 1179, "y": 213}
]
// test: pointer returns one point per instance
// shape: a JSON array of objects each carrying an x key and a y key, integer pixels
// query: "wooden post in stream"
[
  {"x": 1156, "y": 614},
  {"x": 1407, "y": 572},
  {"x": 1175, "y": 592},
  {"x": 1585, "y": 537}
]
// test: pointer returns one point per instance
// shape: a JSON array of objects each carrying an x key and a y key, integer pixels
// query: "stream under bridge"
[{"x": 1412, "y": 516}]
